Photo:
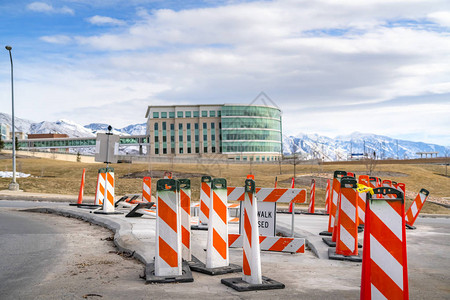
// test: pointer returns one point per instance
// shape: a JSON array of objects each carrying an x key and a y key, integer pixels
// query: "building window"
[
  {"x": 187, "y": 114},
  {"x": 195, "y": 114},
  {"x": 156, "y": 151},
  {"x": 244, "y": 158},
  {"x": 219, "y": 113},
  {"x": 172, "y": 139},
  {"x": 238, "y": 158},
  {"x": 155, "y": 115},
  {"x": 156, "y": 126},
  {"x": 164, "y": 150},
  {"x": 180, "y": 150},
  {"x": 213, "y": 149},
  {"x": 197, "y": 150},
  {"x": 188, "y": 126},
  {"x": 212, "y": 113},
  {"x": 163, "y": 115},
  {"x": 205, "y": 149},
  {"x": 205, "y": 126},
  {"x": 188, "y": 138},
  {"x": 156, "y": 139},
  {"x": 213, "y": 137},
  {"x": 189, "y": 149},
  {"x": 213, "y": 125},
  {"x": 164, "y": 125},
  {"x": 180, "y": 126},
  {"x": 196, "y": 126},
  {"x": 205, "y": 137},
  {"x": 164, "y": 138},
  {"x": 171, "y": 114},
  {"x": 172, "y": 150},
  {"x": 196, "y": 137},
  {"x": 220, "y": 125},
  {"x": 204, "y": 113},
  {"x": 179, "y": 114},
  {"x": 263, "y": 158},
  {"x": 180, "y": 138}
]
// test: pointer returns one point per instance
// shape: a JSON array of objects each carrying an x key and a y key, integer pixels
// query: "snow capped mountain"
[
  {"x": 311, "y": 146},
  {"x": 21, "y": 125},
  {"x": 61, "y": 126},
  {"x": 137, "y": 129}
]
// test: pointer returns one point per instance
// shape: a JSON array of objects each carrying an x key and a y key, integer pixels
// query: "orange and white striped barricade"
[
  {"x": 217, "y": 257},
  {"x": 100, "y": 190},
  {"x": 271, "y": 243},
  {"x": 335, "y": 188},
  {"x": 384, "y": 266},
  {"x": 266, "y": 196},
  {"x": 362, "y": 197},
  {"x": 108, "y": 202},
  {"x": 205, "y": 203},
  {"x": 401, "y": 186},
  {"x": 375, "y": 182},
  {"x": 252, "y": 278},
  {"x": 347, "y": 223},
  {"x": 328, "y": 197},
  {"x": 167, "y": 175},
  {"x": 291, "y": 210},
  {"x": 185, "y": 211},
  {"x": 168, "y": 265},
  {"x": 147, "y": 189},
  {"x": 414, "y": 209},
  {"x": 143, "y": 208},
  {"x": 351, "y": 174}
]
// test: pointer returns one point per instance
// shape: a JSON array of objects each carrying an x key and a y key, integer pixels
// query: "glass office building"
[{"x": 232, "y": 131}]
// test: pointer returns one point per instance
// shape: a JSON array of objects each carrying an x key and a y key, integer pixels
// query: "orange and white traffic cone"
[
  {"x": 416, "y": 206},
  {"x": 147, "y": 189},
  {"x": 168, "y": 266},
  {"x": 384, "y": 266},
  {"x": 252, "y": 278},
  {"x": 347, "y": 223}
]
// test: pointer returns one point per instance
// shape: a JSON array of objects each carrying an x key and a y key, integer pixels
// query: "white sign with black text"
[{"x": 266, "y": 218}]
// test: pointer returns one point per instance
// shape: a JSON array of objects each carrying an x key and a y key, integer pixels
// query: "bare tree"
[{"x": 371, "y": 162}]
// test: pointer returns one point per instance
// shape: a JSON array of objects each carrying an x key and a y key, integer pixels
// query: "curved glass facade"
[{"x": 251, "y": 129}]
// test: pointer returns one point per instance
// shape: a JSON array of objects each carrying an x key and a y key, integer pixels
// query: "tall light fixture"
[{"x": 13, "y": 186}]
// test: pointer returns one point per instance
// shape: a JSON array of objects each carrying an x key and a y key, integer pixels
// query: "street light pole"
[{"x": 13, "y": 186}]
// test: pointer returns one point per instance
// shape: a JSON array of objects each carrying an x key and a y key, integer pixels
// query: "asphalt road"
[{"x": 28, "y": 250}]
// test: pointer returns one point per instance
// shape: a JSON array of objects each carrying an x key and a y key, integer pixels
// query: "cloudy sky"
[{"x": 332, "y": 66}]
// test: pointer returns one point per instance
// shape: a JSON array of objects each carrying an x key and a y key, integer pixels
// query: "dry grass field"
[{"x": 61, "y": 177}]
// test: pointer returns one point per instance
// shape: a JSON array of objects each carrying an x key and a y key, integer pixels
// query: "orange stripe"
[
  {"x": 246, "y": 266},
  {"x": 167, "y": 214},
  {"x": 220, "y": 208},
  {"x": 110, "y": 180},
  {"x": 219, "y": 244},
  {"x": 167, "y": 254},
  {"x": 275, "y": 195},
  {"x": 185, "y": 234},
  {"x": 301, "y": 249},
  {"x": 232, "y": 237},
  {"x": 247, "y": 228},
  {"x": 185, "y": 202},
  {"x": 204, "y": 209},
  {"x": 261, "y": 238},
  {"x": 386, "y": 238},
  {"x": 280, "y": 244},
  {"x": 384, "y": 283}
]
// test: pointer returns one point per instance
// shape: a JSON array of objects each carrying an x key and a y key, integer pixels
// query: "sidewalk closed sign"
[{"x": 266, "y": 218}]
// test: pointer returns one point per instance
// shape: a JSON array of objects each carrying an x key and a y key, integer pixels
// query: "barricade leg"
[
  {"x": 251, "y": 278},
  {"x": 205, "y": 203},
  {"x": 384, "y": 266},
  {"x": 168, "y": 266},
  {"x": 108, "y": 203},
  {"x": 347, "y": 225},
  {"x": 414, "y": 209},
  {"x": 217, "y": 258}
]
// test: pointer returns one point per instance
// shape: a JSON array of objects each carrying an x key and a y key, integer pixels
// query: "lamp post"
[{"x": 13, "y": 186}]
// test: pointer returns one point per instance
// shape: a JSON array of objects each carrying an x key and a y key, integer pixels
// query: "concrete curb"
[
  {"x": 124, "y": 240},
  {"x": 313, "y": 242}
]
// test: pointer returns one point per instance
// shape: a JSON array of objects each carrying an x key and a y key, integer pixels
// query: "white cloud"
[
  {"x": 47, "y": 8},
  {"x": 440, "y": 17},
  {"x": 102, "y": 20},
  {"x": 57, "y": 39}
]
